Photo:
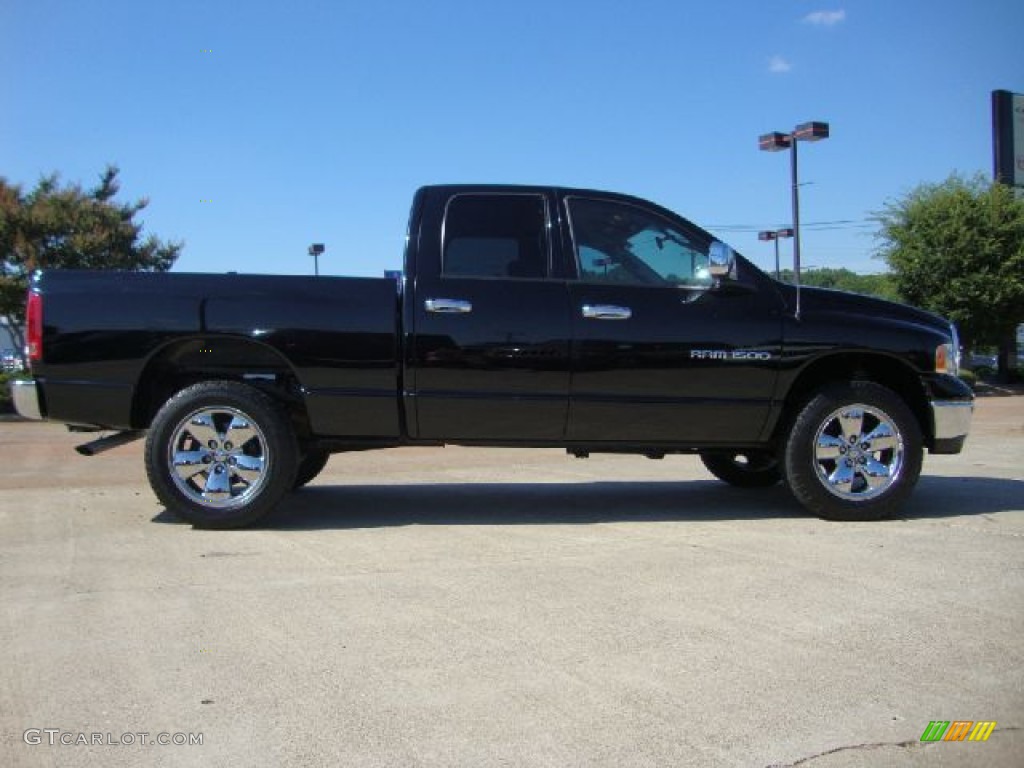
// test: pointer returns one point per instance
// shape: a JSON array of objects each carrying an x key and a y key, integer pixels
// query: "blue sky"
[{"x": 257, "y": 128}]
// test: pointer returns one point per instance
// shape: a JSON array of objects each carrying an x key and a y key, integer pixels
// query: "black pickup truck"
[{"x": 526, "y": 316}]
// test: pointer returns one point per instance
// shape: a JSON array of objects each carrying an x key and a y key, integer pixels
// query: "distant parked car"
[
  {"x": 10, "y": 362},
  {"x": 983, "y": 361}
]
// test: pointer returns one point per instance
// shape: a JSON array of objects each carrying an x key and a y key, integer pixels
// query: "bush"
[
  {"x": 984, "y": 372},
  {"x": 970, "y": 378}
]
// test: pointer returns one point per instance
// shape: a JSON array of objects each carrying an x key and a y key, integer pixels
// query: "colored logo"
[{"x": 958, "y": 730}]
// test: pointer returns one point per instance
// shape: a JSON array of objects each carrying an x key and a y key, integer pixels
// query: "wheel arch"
[
  {"x": 183, "y": 362},
  {"x": 889, "y": 371}
]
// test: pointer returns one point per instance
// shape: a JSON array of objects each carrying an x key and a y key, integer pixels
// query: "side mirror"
[{"x": 721, "y": 260}]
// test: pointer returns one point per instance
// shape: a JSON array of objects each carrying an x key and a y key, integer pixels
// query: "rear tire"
[
  {"x": 313, "y": 462},
  {"x": 854, "y": 452},
  {"x": 220, "y": 454},
  {"x": 743, "y": 469}
]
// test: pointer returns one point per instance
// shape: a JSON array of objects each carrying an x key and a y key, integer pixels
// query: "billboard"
[{"x": 1008, "y": 138}]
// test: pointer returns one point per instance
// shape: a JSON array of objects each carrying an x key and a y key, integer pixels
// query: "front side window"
[
  {"x": 495, "y": 236},
  {"x": 621, "y": 243}
]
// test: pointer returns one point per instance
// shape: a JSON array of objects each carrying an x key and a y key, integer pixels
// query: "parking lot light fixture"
[
  {"x": 811, "y": 131},
  {"x": 774, "y": 235},
  {"x": 775, "y": 142},
  {"x": 315, "y": 250}
]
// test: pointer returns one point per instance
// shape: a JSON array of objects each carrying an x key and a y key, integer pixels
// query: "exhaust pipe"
[{"x": 106, "y": 443}]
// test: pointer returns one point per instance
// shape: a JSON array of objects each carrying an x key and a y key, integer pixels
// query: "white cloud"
[
  {"x": 825, "y": 18},
  {"x": 778, "y": 65}
]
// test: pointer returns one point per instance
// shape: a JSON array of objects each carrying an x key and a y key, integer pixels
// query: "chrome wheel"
[
  {"x": 218, "y": 457},
  {"x": 858, "y": 452}
]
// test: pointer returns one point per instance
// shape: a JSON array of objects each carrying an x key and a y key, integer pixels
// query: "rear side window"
[{"x": 495, "y": 236}]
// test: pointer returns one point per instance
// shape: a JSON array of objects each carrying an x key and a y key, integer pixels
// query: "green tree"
[
  {"x": 881, "y": 285},
  {"x": 66, "y": 227},
  {"x": 957, "y": 248}
]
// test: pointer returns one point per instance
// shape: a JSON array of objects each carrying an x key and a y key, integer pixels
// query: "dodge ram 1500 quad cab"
[{"x": 525, "y": 316}]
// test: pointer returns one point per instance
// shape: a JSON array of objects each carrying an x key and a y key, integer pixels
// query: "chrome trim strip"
[
  {"x": 26, "y": 399},
  {"x": 951, "y": 418}
]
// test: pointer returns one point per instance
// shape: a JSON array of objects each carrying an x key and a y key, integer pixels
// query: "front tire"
[
  {"x": 743, "y": 469},
  {"x": 854, "y": 452},
  {"x": 220, "y": 454}
]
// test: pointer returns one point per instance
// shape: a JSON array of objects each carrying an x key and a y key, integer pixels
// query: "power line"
[{"x": 817, "y": 226}]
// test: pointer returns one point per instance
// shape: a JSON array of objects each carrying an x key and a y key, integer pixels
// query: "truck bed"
[{"x": 108, "y": 334}]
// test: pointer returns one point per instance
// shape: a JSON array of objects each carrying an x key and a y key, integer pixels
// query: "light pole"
[
  {"x": 774, "y": 142},
  {"x": 315, "y": 250},
  {"x": 775, "y": 235}
]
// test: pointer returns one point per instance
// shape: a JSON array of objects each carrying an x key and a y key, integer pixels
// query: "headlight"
[{"x": 947, "y": 356}]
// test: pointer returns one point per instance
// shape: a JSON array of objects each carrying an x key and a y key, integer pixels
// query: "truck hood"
[{"x": 826, "y": 301}]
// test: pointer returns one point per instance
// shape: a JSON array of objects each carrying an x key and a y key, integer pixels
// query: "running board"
[{"x": 106, "y": 443}]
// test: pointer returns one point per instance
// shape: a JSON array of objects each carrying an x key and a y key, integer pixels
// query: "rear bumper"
[
  {"x": 951, "y": 422},
  {"x": 25, "y": 395}
]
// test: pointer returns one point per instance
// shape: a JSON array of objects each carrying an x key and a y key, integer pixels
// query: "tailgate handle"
[
  {"x": 448, "y": 306},
  {"x": 606, "y": 312}
]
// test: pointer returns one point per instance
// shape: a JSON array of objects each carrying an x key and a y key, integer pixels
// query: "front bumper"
[
  {"x": 25, "y": 395},
  {"x": 951, "y": 421}
]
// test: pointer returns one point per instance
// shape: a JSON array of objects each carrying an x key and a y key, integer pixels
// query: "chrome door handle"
[
  {"x": 448, "y": 306},
  {"x": 606, "y": 312}
]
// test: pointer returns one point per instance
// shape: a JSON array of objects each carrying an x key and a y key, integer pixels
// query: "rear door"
[{"x": 490, "y": 325}]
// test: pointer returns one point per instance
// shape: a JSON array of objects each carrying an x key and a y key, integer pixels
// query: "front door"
[{"x": 659, "y": 353}]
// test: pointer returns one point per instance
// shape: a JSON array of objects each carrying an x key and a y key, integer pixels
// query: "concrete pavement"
[{"x": 462, "y": 607}]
